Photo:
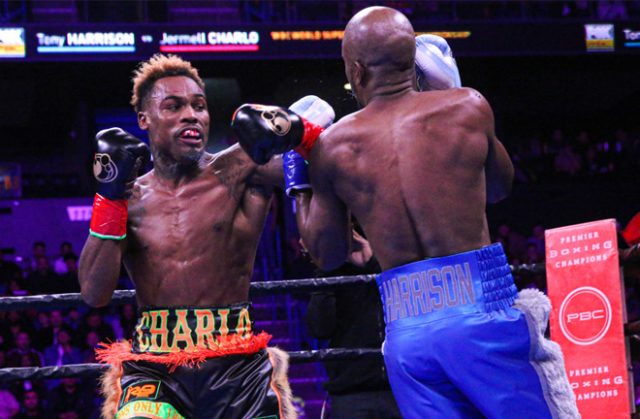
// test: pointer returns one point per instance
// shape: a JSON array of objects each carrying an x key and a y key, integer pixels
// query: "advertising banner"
[{"x": 584, "y": 285}]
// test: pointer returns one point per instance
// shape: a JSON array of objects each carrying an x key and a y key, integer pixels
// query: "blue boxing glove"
[
  {"x": 296, "y": 175},
  {"x": 436, "y": 69}
]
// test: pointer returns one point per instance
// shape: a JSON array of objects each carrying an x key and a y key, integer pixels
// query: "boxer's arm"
[
  {"x": 498, "y": 166},
  {"x": 322, "y": 218},
  {"x": 270, "y": 174},
  {"x": 99, "y": 269},
  {"x": 116, "y": 165}
]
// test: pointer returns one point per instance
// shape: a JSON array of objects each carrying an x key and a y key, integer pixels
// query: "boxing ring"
[
  {"x": 52, "y": 301},
  {"x": 587, "y": 367}
]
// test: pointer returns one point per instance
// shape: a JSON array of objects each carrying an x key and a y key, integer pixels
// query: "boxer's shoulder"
[
  {"x": 339, "y": 135},
  {"x": 455, "y": 105},
  {"x": 232, "y": 159},
  {"x": 471, "y": 100}
]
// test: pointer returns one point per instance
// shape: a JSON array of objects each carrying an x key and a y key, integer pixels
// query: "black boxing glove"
[
  {"x": 118, "y": 157},
  {"x": 264, "y": 131},
  {"x": 115, "y": 161}
]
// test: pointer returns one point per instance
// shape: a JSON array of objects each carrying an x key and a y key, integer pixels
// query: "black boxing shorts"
[{"x": 195, "y": 363}]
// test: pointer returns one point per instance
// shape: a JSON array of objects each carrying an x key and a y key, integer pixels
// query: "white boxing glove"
[
  {"x": 296, "y": 175},
  {"x": 315, "y": 110},
  {"x": 436, "y": 69}
]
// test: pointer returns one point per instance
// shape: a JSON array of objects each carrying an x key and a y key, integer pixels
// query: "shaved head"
[
  {"x": 379, "y": 51},
  {"x": 380, "y": 36}
]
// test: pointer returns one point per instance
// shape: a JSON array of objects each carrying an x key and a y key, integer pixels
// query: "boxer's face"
[{"x": 177, "y": 119}]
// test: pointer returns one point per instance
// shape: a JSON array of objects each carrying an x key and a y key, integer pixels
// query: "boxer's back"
[{"x": 412, "y": 170}]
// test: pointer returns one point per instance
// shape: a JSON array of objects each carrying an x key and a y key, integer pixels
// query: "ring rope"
[
  {"x": 256, "y": 288},
  {"x": 120, "y": 297},
  {"x": 94, "y": 370}
]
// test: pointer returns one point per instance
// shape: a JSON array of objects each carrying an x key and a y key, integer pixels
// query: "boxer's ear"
[
  {"x": 142, "y": 120},
  {"x": 359, "y": 74}
]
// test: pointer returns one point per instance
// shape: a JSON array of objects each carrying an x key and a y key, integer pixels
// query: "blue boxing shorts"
[{"x": 461, "y": 342}]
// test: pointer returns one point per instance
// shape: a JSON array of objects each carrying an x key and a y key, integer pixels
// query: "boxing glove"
[
  {"x": 314, "y": 109},
  {"x": 118, "y": 157},
  {"x": 436, "y": 69},
  {"x": 264, "y": 131},
  {"x": 115, "y": 159}
]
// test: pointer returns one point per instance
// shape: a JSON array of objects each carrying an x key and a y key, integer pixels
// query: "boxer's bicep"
[
  {"x": 499, "y": 171},
  {"x": 498, "y": 167},
  {"x": 323, "y": 219},
  {"x": 329, "y": 224},
  {"x": 269, "y": 174}
]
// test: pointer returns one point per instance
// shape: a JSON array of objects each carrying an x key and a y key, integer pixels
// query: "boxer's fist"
[
  {"x": 315, "y": 110},
  {"x": 118, "y": 158},
  {"x": 264, "y": 131},
  {"x": 436, "y": 69}
]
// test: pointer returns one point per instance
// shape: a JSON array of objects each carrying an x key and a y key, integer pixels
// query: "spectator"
[
  {"x": 46, "y": 335},
  {"x": 59, "y": 264},
  {"x": 16, "y": 288},
  {"x": 91, "y": 342},
  {"x": 537, "y": 239},
  {"x": 94, "y": 322},
  {"x": 39, "y": 249},
  {"x": 23, "y": 355},
  {"x": 31, "y": 406},
  {"x": 43, "y": 327},
  {"x": 15, "y": 322},
  {"x": 532, "y": 255},
  {"x": 68, "y": 401},
  {"x": 43, "y": 280},
  {"x": 62, "y": 352},
  {"x": 9, "y": 406},
  {"x": 8, "y": 271},
  {"x": 74, "y": 319},
  {"x": 69, "y": 280},
  {"x": 567, "y": 161},
  {"x": 514, "y": 243},
  {"x": 351, "y": 317},
  {"x": 593, "y": 162}
]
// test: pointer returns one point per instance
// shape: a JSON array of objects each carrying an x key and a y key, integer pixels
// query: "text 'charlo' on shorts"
[
  {"x": 461, "y": 343},
  {"x": 195, "y": 363}
]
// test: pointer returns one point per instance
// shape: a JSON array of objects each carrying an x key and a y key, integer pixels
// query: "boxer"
[
  {"x": 417, "y": 169},
  {"x": 187, "y": 233}
]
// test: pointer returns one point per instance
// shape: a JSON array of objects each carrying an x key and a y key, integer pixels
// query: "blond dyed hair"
[{"x": 157, "y": 67}]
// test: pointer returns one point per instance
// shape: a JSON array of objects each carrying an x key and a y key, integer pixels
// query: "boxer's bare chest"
[{"x": 181, "y": 242}]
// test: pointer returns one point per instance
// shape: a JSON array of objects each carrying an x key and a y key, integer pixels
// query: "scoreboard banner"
[
  {"x": 584, "y": 285},
  {"x": 101, "y": 42}
]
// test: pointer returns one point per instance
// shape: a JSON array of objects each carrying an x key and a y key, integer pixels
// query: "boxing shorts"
[
  {"x": 195, "y": 363},
  {"x": 461, "y": 343}
]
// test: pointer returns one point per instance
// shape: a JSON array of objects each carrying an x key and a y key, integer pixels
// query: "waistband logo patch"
[
  {"x": 172, "y": 330},
  {"x": 141, "y": 390}
]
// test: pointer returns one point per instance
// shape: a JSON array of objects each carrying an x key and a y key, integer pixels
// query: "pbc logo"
[
  {"x": 141, "y": 390},
  {"x": 104, "y": 169},
  {"x": 585, "y": 316}
]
